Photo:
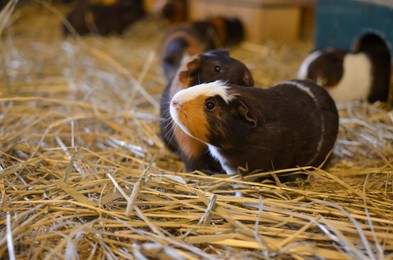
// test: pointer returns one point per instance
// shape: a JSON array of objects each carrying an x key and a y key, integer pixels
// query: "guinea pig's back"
[{"x": 314, "y": 114}]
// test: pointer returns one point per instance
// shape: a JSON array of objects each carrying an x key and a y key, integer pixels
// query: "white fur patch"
[
  {"x": 230, "y": 171},
  {"x": 303, "y": 88},
  {"x": 216, "y": 88},
  {"x": 302, "y": 73},
  {"x": 356, "y": 81},
  {"x": 216, "y": 154}
]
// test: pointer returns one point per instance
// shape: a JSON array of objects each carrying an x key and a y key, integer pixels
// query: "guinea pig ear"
[
  {"x": 194, "y": 64},
  {"x": 245, "y": 114},
  {"x": 248, "y": 80},
  {"x": 186, "y": 76}
]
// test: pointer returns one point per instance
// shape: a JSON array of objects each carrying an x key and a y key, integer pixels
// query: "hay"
[{"x": 84, "y": 173}]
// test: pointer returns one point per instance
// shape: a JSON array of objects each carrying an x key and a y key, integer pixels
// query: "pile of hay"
[{"x": 84, "y": 174}]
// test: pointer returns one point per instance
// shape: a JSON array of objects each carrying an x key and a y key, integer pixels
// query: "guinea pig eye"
[
  {"x": 209, "y": 105},
  {"x": 217, "y": 69}
]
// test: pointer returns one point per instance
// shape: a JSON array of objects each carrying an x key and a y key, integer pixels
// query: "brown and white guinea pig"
[
  {"x": 205, "y": 67},
  {"x": 105, "y": 17},
  {"x": 294, "y": 123},
  {"x": 197, "y": 37},
  {"x": 348, "y": 76}
]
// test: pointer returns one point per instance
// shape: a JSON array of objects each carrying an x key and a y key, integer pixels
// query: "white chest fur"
[
  {"x": 214, "y": 152},
  {"x": 356, "y": 81},
  {"x": 228, "y": 170}
]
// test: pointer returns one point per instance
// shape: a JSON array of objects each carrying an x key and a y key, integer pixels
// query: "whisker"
[{"x": 169, "y": 125}]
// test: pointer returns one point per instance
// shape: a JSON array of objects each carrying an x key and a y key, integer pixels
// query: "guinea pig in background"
[
  {"x": 348, "y": 76},
  {"x": 204, "y": 67},
  {"x": 197, "y": 37},
  {"x": 294, "y": 123},
  {"x": 104, "y": 17}
]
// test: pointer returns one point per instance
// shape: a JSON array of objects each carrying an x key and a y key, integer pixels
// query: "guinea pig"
[
  {"x": 348, "y": 76},
  {"x": 294, "y": 123},
  {"x": 104, "y": 18},
  {"x": 197, "y": 37},
  {"x": 205, "y": 67}
]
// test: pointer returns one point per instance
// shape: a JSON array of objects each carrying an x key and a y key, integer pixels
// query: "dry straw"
[{"x": 83, "y": 173}]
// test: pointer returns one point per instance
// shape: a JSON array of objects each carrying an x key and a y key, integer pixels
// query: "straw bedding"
[{"x": 83, "y": 173}]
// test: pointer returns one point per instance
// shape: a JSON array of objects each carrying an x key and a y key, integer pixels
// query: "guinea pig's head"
[
  {"x": 213, "y": 113},
  {"x": 325, "y": 67},
  {"x": 215, "y": 65}
]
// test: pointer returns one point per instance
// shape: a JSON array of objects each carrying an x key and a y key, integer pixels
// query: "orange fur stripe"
[
  {"x": 189, "y": 145},
  {"x": 192, "y": 116}
]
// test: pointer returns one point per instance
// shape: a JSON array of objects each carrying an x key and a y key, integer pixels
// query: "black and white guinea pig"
[
  {"x": 294, "y": 123},
  {"x": 201, "y": 68},
  {"x": 196, "y": 37},
  {"x": 348, "y": 76},
  {"x": 104, "y": 17}
]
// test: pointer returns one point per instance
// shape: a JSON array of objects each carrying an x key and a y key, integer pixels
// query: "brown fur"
[
  {"x": 191, "y": 147},
  {"x": 219, "y": 24}
]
